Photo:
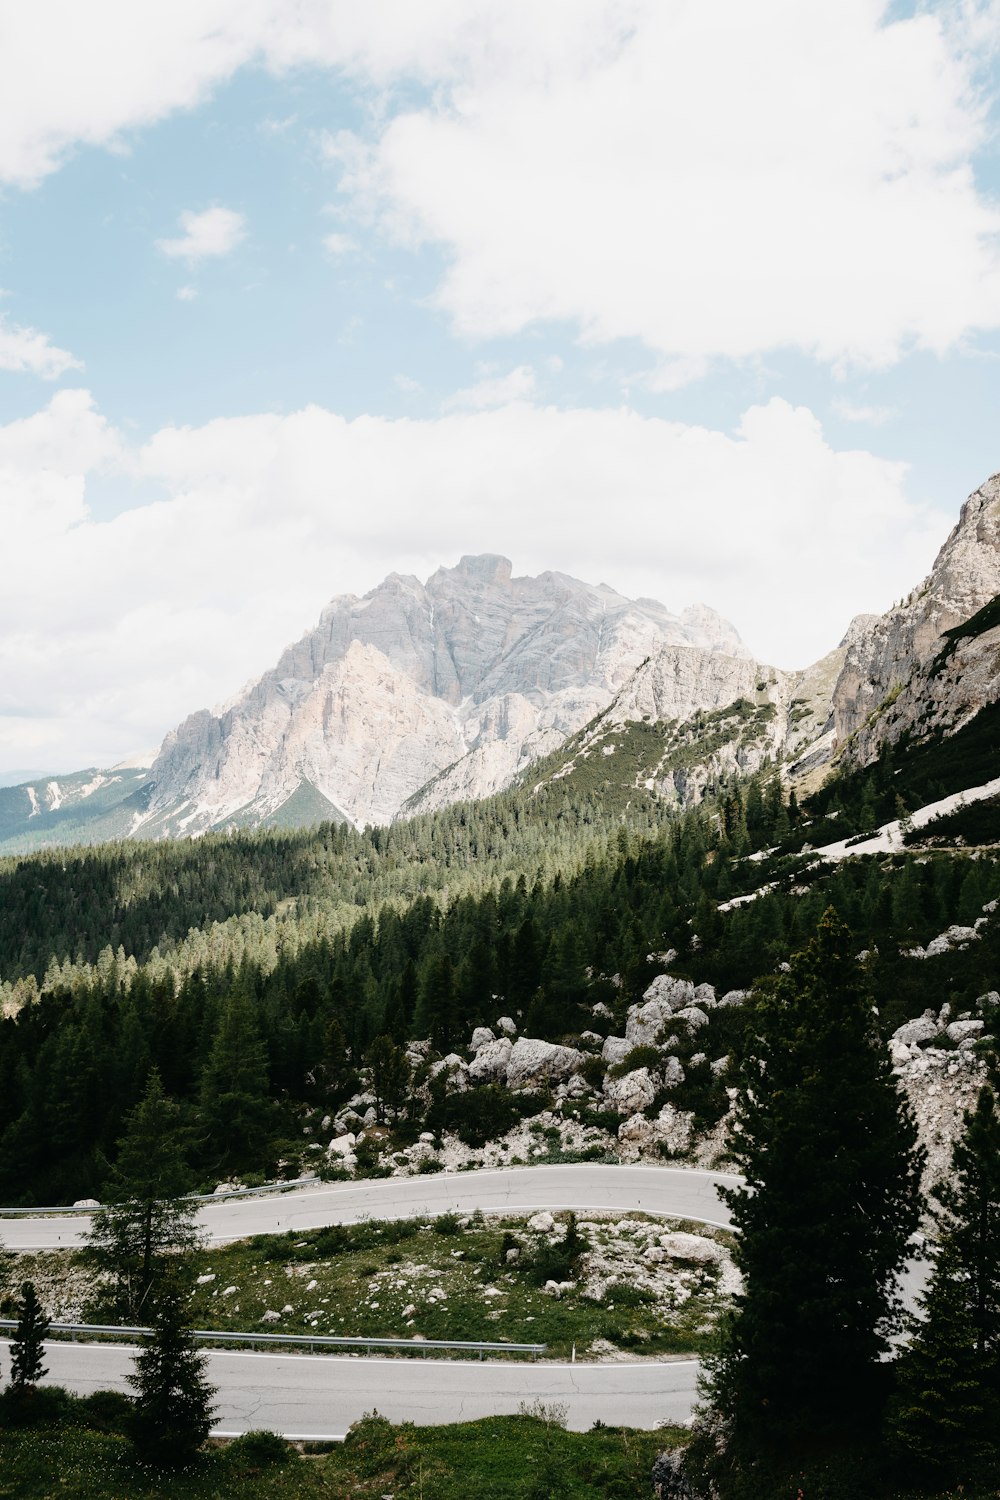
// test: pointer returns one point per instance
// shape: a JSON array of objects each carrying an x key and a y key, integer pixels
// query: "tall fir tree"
[
  {"x": 827, "y": 1148},
  {"x": 147, "y": 1218},
  {"x": 28, "y": 1344},
  {"x": 945, "y": 1422},
  {"x": 236, "y": 1108},
  {"x": 173, "y": 1403}
]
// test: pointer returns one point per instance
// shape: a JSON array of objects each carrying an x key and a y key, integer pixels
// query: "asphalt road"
[
  {"x": 319, "y": 1396},
  {"x": 669, "y": 1191}
]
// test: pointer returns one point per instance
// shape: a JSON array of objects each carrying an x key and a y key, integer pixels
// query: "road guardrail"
[
  {"x": 248, "y": 1192},
  {"x": 295, "y": 1340}
]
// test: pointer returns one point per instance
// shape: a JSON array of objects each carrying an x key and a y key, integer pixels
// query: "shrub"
[
  {"x": 258, "y": 1450},
  {"x": 447, "y": 1224}
]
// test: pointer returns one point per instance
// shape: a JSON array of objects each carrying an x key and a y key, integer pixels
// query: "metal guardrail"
[
  {"x": 296, "y": 1340},
  {"x": 250, "y": 1192}
]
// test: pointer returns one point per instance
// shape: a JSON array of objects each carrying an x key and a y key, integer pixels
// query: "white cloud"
[
  {"x": 715, "y": 180},
  {"x": 211, "y": 233},
  {"x": 875, "y": 416},
  {"x": 340, "y": 244},
  {"x": 495, "y": 390},
  {"x": 187, "y": 293},
  {"x": 112, "y": 631},
  {"x": 27, "y": 349}
]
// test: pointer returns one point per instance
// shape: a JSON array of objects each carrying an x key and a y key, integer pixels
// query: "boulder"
[
  {"x": 693, "y": 1249},
  {"x": 693, "y": 1015},
  {"x": 542, "y": 1223},
  {"x": 912, "y": 1033},
  {"x": 733, "y": 997},
  {"x": 960, "y": 1031},
  {"x": 506, "y": 1025},
  {"x": 671, "y": 993},
  {"x": 533, "y": 1061},
  {"x": 590, "y": 1038},
  {"x": 615, "y": 1050},
  {"x": 673, "y": 1129},
  {"x": 632, "y": 1093},
  {"x": 343, "y": 1145},
  {"x": 490, "y": 1063},
  {"x": 456, "y": 1072},
  {"x": 668, "y": 1478},
  {"x": 87, "y": 1203},
  {"x": 600, "y": 1009},
  {"x": 672, "y": 1073},
  {"x": 270, "y": 1317},
  {"x": 481, "y": 1037}
]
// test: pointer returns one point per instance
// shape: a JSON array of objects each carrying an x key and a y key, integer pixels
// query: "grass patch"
[{"x": 450, "y": 1279}]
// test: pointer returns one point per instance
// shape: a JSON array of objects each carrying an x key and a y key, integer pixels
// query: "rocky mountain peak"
[
  {"x": 446, "y": 688},
  {"x": 894, "y": 679}
]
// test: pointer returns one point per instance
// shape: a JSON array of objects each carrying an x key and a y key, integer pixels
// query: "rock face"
[
  {"x": 416, "y": 695},
  {"x": 901, "y": 672}
]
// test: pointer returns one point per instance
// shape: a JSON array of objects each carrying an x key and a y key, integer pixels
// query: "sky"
[{"x": 696, "y": 298}]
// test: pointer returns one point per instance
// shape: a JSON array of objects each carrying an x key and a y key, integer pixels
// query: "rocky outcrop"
[
  {"x": 532, "y": 1062},
  {"x": 901, "y": 672},
  {"x": 414, "y": 696}
]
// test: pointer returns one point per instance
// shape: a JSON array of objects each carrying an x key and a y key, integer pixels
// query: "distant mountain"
[{"x": 423, "y": 694}]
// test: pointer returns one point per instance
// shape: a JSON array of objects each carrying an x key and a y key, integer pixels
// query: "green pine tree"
[
  {"x": 28, "y": 1344},
  {"x": 827, "y": 1147},
  {"x": 147, "y": 1218},
  {"x": 945, "y": 1422},
  {"x": 173, "y": 1403},
  {"x": 234, "y": 1085}
]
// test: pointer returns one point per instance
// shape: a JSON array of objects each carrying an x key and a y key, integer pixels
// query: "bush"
[
  {"x": 104, "y": 1411},
  {"x": 558, "y": 1260},
  {"x": 480, "y": 1115},
  {"x": 447, "y": 1224},
  {"x": 646, "y": 1056},
  {"x": 429, "y": 1164},
  {"x": 35, "y": 1406},
  {"x": 258, "y": 1450}
]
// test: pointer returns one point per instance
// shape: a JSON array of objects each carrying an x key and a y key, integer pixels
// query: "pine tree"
[
  {"x": 28, "y": 1343},
  {"x": 390, "y": 1075},
  {"x": 147, "y": 1217},
  {"x": 828, "y": 1150},
  {"x": 234, "y": 1084},
  {"x": 173, "y": 1404},
  {"x": 945, "y": 1421}
]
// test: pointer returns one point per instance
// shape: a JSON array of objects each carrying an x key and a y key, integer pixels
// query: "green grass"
[
  {"x": 359, "y": 1280},
  {"x": 518, "y": 1458}
]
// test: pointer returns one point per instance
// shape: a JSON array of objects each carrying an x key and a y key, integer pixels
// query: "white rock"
[
  {"x": 533, "y": 1061},
  {"x": 632, "y": 1093},
  {"x": 912, "y": 1033},
  {"x": 615, "y": 1050},
  {"x": 694, "y": 1248},
  {"x": 490, "y": 1063},
  {"x": 288, "y": 1308},
  {"x": 961, "y": 1031},
  {"x": 693, "y": 1015},
  {"x": 343, "y": 1145},
  {"x": 542, "y": 1223},
  {"x": 409, "y": 1310},
  {"x": 206, "y": 1279},
  {"x": 270, "y": 1317},
  {"x": 87, "y": 1203},
  {"x": 228, "y": 1291},
  {"x": 506, "y": 1025},
  {"x": 481, "y": 1037}
]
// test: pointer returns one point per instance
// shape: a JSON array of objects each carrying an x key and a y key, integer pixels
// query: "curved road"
[
  {"x": 672, "y": 1192},
  {"x": 321, "y": 1395}
]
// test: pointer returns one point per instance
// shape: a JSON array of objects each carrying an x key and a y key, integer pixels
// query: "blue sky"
[{"x": 700, "y": 301}]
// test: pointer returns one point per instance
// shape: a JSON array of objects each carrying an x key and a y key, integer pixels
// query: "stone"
[
  {"x": 668, "y": 1478},
  {"x": 694, "y": 1249},
  {"x": 961, "y": 1031},
  {"x": 513, "y": 1255},
  {"x": 615, "y": 1050},
  {"x": 672, "y": 1073},
  {"x": 533, "y": 1061},
  {"x": 270, "y": 1317},
  {"x": 634, "y": 1092},
  {"x": 542, "y": 1223},
  {"x": 912, "y": 1033},
  {"x": 343, "y": 1145},
  {"x": 506, "y": 1025},
  {"x": 490, "y": 1063},
  {"x": 481, "y": 1037},
  {"x": 87, "y": 1203},
  {"x": 409, "y": 1310},
  {"x": 206, "y": 1279},
  {"x": 229, "y": 1291},
  {"x": 693, "y": 1015},
  {"x": 287, "y": 1308},
  {"x": 590, "y": 1038}
]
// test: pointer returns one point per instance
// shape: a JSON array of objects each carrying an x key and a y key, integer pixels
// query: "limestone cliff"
[
  {"x": 915, "y": 669},
  {"x": 446, "y": 689}
]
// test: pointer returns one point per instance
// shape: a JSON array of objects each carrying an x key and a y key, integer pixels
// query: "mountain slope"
[{"x": 461, "y": 682}]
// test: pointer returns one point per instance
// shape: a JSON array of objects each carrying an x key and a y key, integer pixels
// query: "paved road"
[
  {"x": 321, "y": 1395},
  {"x": 670, "y": 1191}
]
